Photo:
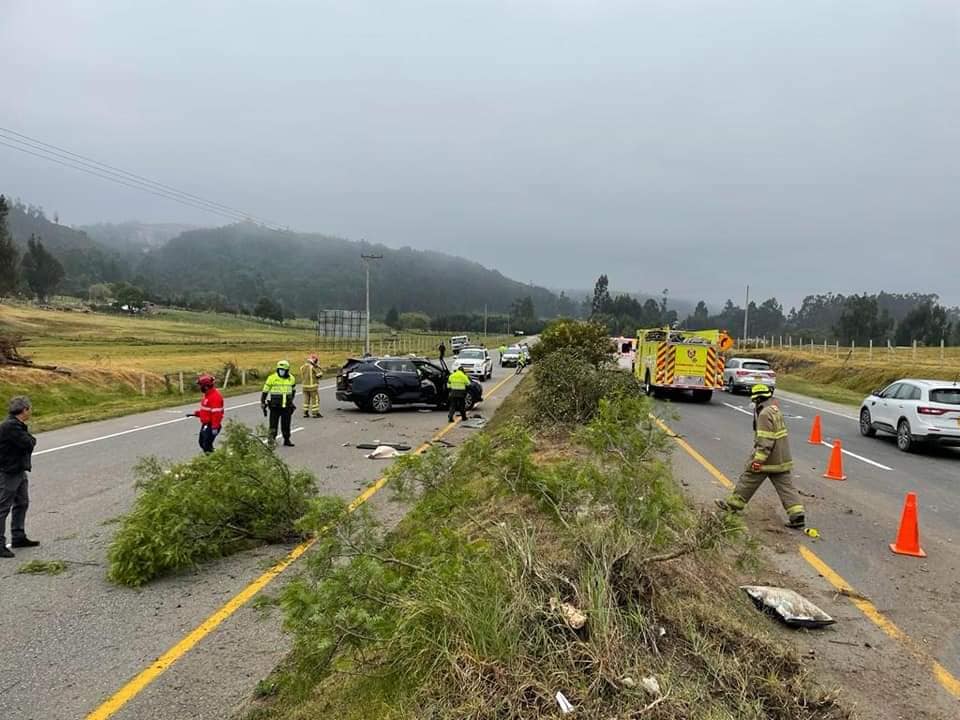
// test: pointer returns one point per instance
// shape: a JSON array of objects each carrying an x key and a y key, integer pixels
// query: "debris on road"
[
  {"x": 811, "y": 532},
  {"x": 474, "y": 423},
  {"x": 384, "y": 452},
  {"x": 378, "y": 443},
  {"x": 42, "y": 567},
  {"x": 788, "y": 605}
]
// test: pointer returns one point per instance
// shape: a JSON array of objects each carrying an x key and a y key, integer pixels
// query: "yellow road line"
[
  {"x": 140, "y": 681},
  {"x": 943, "y": 676}
]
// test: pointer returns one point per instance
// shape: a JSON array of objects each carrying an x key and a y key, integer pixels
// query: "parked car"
[
  {"x": 511, "y": 357},
  {"x": 378, "y": 384},
  {"x": 475, "y": 362},
  {"x": 741, "y": 374},
  {"x": 458, "y": 343},
  {"x": 916, "y": 411}
]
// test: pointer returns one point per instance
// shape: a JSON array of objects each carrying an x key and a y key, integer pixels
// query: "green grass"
[{"x": 830, "y": 393}]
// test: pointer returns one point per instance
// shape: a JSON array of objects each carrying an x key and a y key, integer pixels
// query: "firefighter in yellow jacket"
[
  {"x": 771, "y": 459},
  {"x": 310, "y": 375}
]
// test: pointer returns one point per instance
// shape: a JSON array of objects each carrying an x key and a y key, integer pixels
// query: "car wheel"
[
  {"x": 380, "y": 402},
  {"x": 647, "y": 387},
  {"x": 904, "y": 437},
  {"x": 866, "y": 424},
  {"x": 469, "y": 402},
  {"x": 731, "y": 388}
]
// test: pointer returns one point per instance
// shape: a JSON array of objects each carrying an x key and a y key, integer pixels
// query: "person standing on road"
[
  {"x": 277, "y": 399},
  {"x": 457, "y": 385},
  {"x": 521, "y": 362},
  {"x": 210, "y": 412},
  {"x": 310, "y": 375},
  {"x": 503, "y": 350},
  {"x": 771, "y": 459},
  {"x": 16, "y": 450}
]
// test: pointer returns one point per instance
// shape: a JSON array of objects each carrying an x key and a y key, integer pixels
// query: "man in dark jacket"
[{"x": 16, "y": 448}]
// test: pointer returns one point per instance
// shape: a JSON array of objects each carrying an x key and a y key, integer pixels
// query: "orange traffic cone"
[
  {"x": 816, "y": 438},
  {"x": 908, "y": 537},
  {"x": 835, "y": 466}
]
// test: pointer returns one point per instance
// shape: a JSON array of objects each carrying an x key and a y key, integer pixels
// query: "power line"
[{"x": 83, "y": 163}]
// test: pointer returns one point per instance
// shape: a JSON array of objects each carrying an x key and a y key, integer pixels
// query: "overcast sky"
[{"x": 696, "y": 145}]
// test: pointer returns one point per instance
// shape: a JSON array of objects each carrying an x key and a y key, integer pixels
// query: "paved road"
[
  {"x": 858, "y": 518},
  {"x": 72, "y": 640}
]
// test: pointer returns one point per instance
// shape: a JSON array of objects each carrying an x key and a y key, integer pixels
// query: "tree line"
[{"x": 898, "y": 318}]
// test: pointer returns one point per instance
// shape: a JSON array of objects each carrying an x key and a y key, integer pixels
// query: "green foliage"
[
  {"x": 268, "y": 310},
  {"x": 213, "y": 505},
  {"x": 41, "y": 271},
  {"x": 927, "y": 323},
  {"x": 42, "y": 567},
  {"x": 570, "y": 386},
  {"x": 99, "y": 293},
  {"x": 590, "y": 339},
  {"x": 126, "y": 294},
  {"x": 9, "y": 255},
  {"x": 392, "y": 319},
  {"x": 414, "y": 321}
]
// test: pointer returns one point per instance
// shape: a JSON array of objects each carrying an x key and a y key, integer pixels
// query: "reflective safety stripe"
[
  {"x": 760, "y": 457},
  {"x": 782, "y": 467},
  {"x": 795, "y": 510},
  {"x": 772, "y": 435},
  {"x": 211, "y": 409},
  {"x": 736, "y": 502}
]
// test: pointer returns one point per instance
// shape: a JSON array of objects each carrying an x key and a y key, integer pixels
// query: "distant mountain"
[
  {"x": 85, "y": 261},
  {"x": 306, "y": 272},
  {"x": 135, "y": 236}
]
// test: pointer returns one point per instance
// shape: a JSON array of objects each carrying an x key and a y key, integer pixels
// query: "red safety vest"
[{"x": 211, "y": 409}]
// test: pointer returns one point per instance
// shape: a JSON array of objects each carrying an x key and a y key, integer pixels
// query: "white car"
[
  {"x": 458, "y": 343},
  {"x": 916, "y": 411},
  {"x": 511, "y": 357},
  {"x": 475, "y": 362},
  {"x": 743, "y": 373}
]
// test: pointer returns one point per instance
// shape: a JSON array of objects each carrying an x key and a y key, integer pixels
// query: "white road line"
[
  {"x": 140, "y": 428},
  {"x": 858, "y": 457},
  {"x": 816, "y": 407},
  {"x": 830, "y": 445},
  {"x": 739, "y": 409}
]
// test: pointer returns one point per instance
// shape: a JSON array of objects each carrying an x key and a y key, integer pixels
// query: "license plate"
[{"x": 690, "y": 380}]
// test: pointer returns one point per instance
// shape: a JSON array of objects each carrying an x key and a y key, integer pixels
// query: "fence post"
[
  {"x": 181, "y": 382},
  {"x": 790, "y": 342},
  {"x": 838, "y": 348},
  {"x": 226, "y": 380},
  {"x": 941, "y": 349},
  {"x": 853, "y": 346},
  {"x": 914, "y": 349},
  {"x": 243, "y": 377},
  {"x": 143, "y": 385},
  {"x": 871, "y": 348}
]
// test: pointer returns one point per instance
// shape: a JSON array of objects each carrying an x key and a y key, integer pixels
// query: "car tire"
[
  {"x": 469, "y": 402},
  {"x": 866, "y": 424},
  {"x": 730, "y": 387},
  {"x": 647, "y": 386},
  {"x": 905, "y": 441},
  {"x": 381, "y": 402},
  {"x": 702, "y": 396}
]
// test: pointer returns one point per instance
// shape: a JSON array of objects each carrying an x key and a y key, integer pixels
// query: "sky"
[{"x": 695, "y": 145}]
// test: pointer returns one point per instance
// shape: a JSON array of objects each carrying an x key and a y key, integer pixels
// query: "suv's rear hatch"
[
  {"x": 943, "y": 410},
  {"x": 343, "y": 374}
]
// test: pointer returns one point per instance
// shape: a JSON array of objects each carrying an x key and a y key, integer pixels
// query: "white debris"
[
  {"x": 384, "y": 452},
  {"x": 651, "y": 685},
  {"x": 565, "y": 707},
  {"x": 572, "y": 616}
]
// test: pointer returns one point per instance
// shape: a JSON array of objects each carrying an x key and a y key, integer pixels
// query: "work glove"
[
  {"x": 264, "y": 408},
  {"x": 756, "y": 467},
  {"x": 190, "y": 415}
]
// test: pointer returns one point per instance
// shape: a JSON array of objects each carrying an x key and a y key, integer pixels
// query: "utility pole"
[
  {"x": 484, "y": 322},
  {"x": 366, "y": 262},
  {"x": 746, "y": 316}
]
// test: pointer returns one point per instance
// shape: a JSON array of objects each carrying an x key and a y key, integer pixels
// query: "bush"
[
  {"x": 240, "y": 496},
  {"x": 570, "y": 386},
  {"x": 589, "y": 338}
]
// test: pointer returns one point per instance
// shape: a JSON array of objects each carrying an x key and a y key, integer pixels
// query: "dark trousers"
[
  {"x": 14, "y": 501},
  {"x": 458, "y": 400},
  {"x": 280, "y": 416},
  {"x": 207, "y": 435}
]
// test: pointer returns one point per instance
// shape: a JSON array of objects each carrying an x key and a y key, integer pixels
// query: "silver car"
[
  {"x": 475, "y": 362},
  {"x": 741, "y": 374}
]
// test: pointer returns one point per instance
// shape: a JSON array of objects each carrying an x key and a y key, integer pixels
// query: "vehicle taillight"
[
  {"x": 353, "y": 375},
  {"x": 931, "y": 411},
  {"x": 741, "y": 373}
]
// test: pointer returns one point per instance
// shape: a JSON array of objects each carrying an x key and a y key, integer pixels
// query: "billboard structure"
[{"x": 350, "y": 324}]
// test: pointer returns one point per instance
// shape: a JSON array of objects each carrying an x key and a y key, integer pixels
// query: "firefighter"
[
  {"x": 277, "y": 397},
  {"x": 310, "y": 375},
  {"x": 771, "y": 459},
  {"x": 457, "y": 385},
  {"x": 210, "y": 412}
]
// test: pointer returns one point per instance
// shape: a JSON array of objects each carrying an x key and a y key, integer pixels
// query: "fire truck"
[{"x": 685, "y": 360}]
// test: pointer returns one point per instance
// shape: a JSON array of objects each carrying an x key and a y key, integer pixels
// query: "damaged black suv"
[{"x": 378, "y": 384}]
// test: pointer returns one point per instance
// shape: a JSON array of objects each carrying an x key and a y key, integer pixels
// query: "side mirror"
[{"x": 877, "y": 393}]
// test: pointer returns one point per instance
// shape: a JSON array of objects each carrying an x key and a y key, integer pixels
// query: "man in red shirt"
[{"x": 210, "y": 412}]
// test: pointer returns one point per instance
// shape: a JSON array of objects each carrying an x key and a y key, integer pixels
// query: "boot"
[
  {"x": 317, "y": 415},
  {"x": 24, "y": 542},
  {"x": 287, "y": 443},
  {"x": 4, "y": 551},
  {"x": 797, "y": 522},
  {"x": 725, "y": 506}
]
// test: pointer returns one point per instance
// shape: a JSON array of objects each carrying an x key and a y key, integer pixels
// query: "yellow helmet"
[
  {"x": 283, "y": 365},
  {"x": 760, "y": 392}
]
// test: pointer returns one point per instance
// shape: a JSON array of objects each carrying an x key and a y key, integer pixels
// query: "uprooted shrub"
[
  {"x": 589, "y": 338},
  {"x": 464, "y": 611},
  {"x": 570, "y": 387},
  {"x": 213, "y": 505}
]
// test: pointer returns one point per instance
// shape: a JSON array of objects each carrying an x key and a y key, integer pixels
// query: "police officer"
[
  {"x": 277, "y": 397},
  {"x": 310, "y": 375},
  {"x": 457, "y": 385},
  {"x": 771, "y": 459}
]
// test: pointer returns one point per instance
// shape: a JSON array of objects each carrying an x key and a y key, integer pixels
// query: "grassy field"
[
  {"x": 852, "y": 376},
  {"x": 109, "y": 356}
]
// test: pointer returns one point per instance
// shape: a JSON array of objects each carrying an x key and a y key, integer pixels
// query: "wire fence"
[{"x": 881, "y": 352}]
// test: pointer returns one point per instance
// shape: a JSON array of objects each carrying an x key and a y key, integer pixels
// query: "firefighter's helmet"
[
  {"x": 283, "y": 365},
  {"x": 206, "y": 382},
  {"x": 760, "y": 392}
]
